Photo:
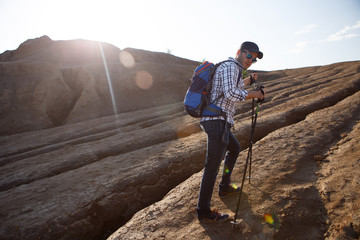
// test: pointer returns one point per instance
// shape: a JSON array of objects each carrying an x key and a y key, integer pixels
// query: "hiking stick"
[
  {"x": 254, "y": 116},
  {"x": 249, "y": 156},
  {"x": 253, "y": 124}
]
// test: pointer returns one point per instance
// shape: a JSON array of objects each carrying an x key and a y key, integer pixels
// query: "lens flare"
[
  {"x": 227, "y": 170},
  {"x": 234, "y": 186},
  {"x": 127, "y": 59},
  {"x": 143, "y": 80},
  {"x": 108, "y": 80},
  {"x": 269, "y": 219}
]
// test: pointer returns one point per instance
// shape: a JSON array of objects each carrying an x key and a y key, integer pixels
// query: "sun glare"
[
  {"x": 143, "y": 80},
  {"x": 127, "y": 59},
  {"x": 108, "y": 79}
]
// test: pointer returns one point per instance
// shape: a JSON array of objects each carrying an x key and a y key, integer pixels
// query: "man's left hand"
[{"x": 253, "y": 78}]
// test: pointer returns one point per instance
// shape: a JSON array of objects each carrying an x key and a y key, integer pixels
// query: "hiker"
[{"x": 227, "y": 91}]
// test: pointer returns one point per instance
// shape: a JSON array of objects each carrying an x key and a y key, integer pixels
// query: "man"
[{"x": 227, "y": 90}]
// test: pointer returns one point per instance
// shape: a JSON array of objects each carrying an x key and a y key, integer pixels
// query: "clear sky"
[{"x": 290, "y": 33}]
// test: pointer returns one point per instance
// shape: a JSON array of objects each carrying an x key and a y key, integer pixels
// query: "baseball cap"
[{"x": 251, "y": 47}]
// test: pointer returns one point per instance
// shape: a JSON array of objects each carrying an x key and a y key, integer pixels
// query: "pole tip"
[{"x": 237, "y": 226}]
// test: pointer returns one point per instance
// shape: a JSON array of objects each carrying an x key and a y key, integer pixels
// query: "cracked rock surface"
[{"x": 71, "y": 169}]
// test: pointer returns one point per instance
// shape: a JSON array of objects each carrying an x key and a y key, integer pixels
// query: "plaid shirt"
[{"x": 226, "y": 81}]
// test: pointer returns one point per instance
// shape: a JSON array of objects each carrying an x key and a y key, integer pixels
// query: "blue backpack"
[{"x": 197, "y": 99}]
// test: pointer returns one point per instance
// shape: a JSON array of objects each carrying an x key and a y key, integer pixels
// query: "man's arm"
[{"x": 255, "y": 94}]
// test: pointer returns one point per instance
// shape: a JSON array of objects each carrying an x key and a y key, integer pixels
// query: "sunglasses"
[{"x": 249, "y": 56}]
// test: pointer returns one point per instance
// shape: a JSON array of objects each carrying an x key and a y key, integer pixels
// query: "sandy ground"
[{"x": 309, "y": 192}]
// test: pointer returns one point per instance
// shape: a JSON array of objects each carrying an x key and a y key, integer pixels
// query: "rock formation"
[
  {"x": 71, "y": 169},
  {"x": 47, "y": 83}
]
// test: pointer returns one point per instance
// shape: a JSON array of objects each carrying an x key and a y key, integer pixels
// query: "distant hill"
[{"x": 49, "y": 83}]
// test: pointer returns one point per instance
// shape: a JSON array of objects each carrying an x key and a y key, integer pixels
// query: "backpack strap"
[{"x": 220, "y": 112}]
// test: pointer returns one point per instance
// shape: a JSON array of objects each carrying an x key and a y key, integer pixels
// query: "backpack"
[{"x": 197, "y": 99}]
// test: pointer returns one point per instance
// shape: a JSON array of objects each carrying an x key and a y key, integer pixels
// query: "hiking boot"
[
  {"x": 213, "y": 216},
  {"x": 223, "y": 193}
]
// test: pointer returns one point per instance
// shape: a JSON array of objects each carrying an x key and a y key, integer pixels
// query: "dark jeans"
[{"x": 216, "y": 150}]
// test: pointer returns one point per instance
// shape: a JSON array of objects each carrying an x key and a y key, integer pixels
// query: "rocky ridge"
[
  {"x": 49, "y": 83},
  {"x": 89, "y": 171}
]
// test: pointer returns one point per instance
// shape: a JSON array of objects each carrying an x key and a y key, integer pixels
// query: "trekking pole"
[
  {"x": 254, "y": 116},
  {"x": 253, "y": 125},
  {"x": 249, "y": 155}
]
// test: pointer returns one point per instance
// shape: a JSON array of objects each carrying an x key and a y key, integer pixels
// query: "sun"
[{"x": 108, "y": 21}]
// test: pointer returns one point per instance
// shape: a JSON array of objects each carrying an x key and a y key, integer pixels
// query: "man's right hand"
[{"x": 261, "y": 93}]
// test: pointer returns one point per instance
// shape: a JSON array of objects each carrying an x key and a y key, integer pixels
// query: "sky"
[{"x": 290, "y": 33}]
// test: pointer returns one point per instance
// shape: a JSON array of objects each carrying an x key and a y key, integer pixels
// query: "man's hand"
[
  {"x": 260, "y": 90},
  {"x": 253, "y": 78},
  {"x": 250, "y": 80},
  {"x": 259, "y": 93}
]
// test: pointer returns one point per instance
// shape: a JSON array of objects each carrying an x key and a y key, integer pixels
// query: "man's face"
[{"x": 247, "y": 58}]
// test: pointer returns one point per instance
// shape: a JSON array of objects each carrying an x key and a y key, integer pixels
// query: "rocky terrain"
[{"x": 72, "y": 169}]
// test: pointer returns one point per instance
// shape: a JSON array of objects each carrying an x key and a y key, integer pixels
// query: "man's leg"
[
  {"x": 214, "y": 155},
  {"x": 232, "y": 153}
]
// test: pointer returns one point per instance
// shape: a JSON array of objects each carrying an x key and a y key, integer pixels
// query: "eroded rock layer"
[{"x": 70, "y": 169}]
